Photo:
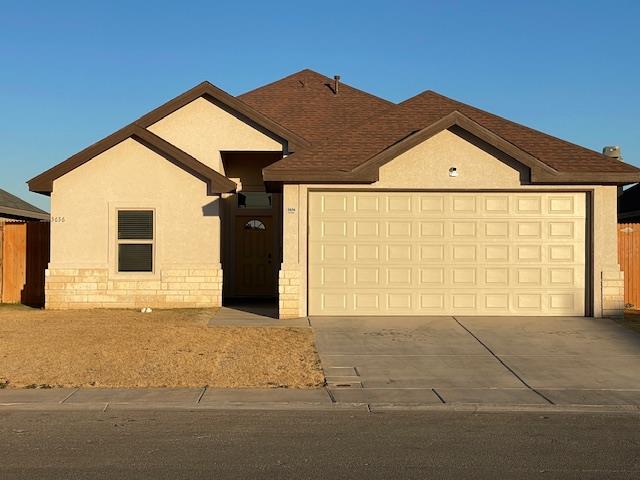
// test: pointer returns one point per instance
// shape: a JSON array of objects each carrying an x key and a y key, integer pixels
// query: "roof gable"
[
  {"x": 216, "y": 182},
  {"x": 223, "y": 99},
  {"x": 557, "y": 153},
  {"x": 43, "y": 183},
  {"x": 455, "y": 118},
  {"x": 367, "y": 171}
]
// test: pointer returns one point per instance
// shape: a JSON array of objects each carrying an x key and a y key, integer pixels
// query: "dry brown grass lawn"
[{"x": 166, "y": 348}]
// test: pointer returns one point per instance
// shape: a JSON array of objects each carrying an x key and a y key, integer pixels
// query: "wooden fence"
[
  {"x": 629, "y": 259},
  {"x": 24, "y": 255}
]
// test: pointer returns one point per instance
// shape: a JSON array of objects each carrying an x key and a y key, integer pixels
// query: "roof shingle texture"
[
  {"x": 374, "y": 125},
  {"x": 305, "y": 103},
  {"x": 8, "y": 200}
]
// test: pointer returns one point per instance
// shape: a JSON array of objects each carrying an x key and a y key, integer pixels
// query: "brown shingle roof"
[
  {"x": 306, "y": 103},
  {"x": 12, "y": 205},
  {"x": 555, "y": 152},
  {"x": 341, "y": 136},
  {"x": 351, "y": 149}
]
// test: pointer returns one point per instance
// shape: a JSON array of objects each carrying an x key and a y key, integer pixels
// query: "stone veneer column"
[
  {"x": 613, "y": 293},
  {"x": 289, "y": 292},
  {"x": 290, "y": 275}
]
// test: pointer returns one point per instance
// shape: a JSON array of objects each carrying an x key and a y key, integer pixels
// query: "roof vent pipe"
[
  {"x": 336, "y": 83},
  {"x": 612, "y": 151}
]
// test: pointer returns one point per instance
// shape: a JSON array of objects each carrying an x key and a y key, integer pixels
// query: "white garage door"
[{"x": 425, "y": 253}]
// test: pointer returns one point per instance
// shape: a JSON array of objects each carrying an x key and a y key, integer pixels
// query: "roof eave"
[
  {"x": 217, "y": 183},
  {"x": 537, "y": 177},
  {"x": 586, "y": 178},
  {"x": 24, "y": 213},
  {"x": 368, "y": 172},
  {"x": 43, "y": 183}
]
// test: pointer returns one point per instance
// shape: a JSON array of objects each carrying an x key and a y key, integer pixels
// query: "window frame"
[{"x": 129, "y": 241}]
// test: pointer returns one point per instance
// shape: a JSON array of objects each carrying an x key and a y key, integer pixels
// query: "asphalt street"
[{"x": 168, "y": 444}]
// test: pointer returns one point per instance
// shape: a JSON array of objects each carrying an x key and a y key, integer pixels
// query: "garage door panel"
[
  {"x": 409, "y": 253},
  {"x": 468, "y": 302},
  {"x": 424, "y": 277}
]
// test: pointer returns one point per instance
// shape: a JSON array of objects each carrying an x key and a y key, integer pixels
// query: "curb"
[{"x": 326, "y": 407}]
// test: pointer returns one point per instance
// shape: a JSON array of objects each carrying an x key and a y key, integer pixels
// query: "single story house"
[
  {"x": 337, "y": 202},
  {"x": 14, "y": 209}
]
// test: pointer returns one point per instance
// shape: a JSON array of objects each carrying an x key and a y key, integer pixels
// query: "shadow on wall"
[
  {"x": 212, "y": 209},
  {"x": 36, "y": 261},
  {"x": 523, "y": 170}
]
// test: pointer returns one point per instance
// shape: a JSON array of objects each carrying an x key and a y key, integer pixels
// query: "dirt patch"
[{"x": 166, "y": 348}]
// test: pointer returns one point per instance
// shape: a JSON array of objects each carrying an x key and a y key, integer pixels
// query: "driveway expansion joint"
[
  {"x": 68, "y": 396},
  {"x": 502, "y": 362},
  {"x": 435, "y": 392},
  {"x": 204, "y": 390}
]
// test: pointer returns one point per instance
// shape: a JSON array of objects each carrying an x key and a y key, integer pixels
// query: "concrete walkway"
[{"x": 327, "y": 399}]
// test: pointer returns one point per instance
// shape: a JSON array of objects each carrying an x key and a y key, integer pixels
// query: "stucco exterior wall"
[
  {"x": 187, "y": 264},
  {"x": 426, "y": 167},
  {"x": 203, "y": 130},
  {"x": 83, "y": 268}
]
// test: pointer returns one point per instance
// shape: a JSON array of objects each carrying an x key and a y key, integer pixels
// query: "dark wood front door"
[{"x": 255, "y": 273}]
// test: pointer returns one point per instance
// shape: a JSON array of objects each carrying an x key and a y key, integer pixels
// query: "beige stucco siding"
[
  {"x": 203, "y": 130},
  {"x": 84, "y": 203},
  {"x": 131, "y": 175},
  {"x": 187, "y": 271},
  {"x": 425, "y": 167}
]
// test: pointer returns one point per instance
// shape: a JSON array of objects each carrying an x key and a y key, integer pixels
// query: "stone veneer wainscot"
[{"x": 193, "y": 287}]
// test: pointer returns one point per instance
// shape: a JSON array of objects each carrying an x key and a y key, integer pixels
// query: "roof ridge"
[
  {"x": 261, "y": 87},
  {"x": 539, "y": 132},
  {"x": 329, "y": 79}
]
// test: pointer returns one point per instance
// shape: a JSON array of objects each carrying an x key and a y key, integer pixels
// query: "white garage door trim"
[{"x": 489, "y": 252}]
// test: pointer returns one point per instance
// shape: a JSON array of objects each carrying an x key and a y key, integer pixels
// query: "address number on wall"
[{"x": 58, "y": 219}]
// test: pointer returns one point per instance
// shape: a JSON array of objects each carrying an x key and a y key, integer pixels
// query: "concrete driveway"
[{"x": 491, "y": 360}]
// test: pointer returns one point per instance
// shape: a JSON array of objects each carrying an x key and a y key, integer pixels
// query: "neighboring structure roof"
[
  {"x": 307, "y": 103},
  {"x": 629, "y": 205},
  {"x": 13, "y": 206},
  {"x": 217, "y": 182},
  {"x": 351, "y": 151}
]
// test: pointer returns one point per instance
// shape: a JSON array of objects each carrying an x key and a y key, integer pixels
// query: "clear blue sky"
[{"x": 73, "y": 72}]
